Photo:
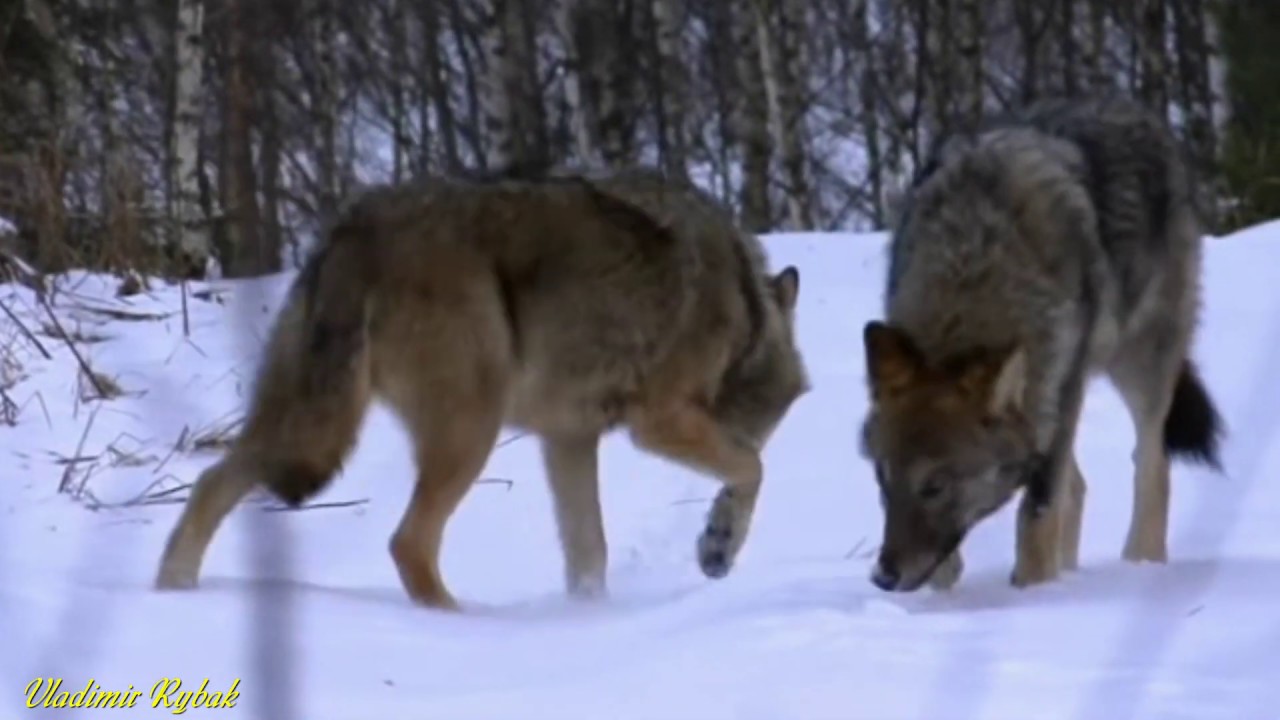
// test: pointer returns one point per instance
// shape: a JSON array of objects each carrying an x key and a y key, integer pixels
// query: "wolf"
[
  {"x": 565, "y": 306},
  {"x": 1038, "y": 251}
]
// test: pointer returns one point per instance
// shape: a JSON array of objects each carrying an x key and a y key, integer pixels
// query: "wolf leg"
[
  {"x": 450, "y": 454},
  {"x": 686, "y": 434},
  {"x": 447, "y": 374},
  {"x": 1146, "y": 383},
  {"x": 1038, "y": 544},
  {"x": 218, "y": 489},
  {"x": 1073, "y": 516},
  {"x": 1149, "y": 525},
  {"x": 572, "y": 471},
  {"x": 1043, "y": 508}
]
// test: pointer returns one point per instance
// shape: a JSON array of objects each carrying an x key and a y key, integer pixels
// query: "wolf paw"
[
  {"x": 175, "y": 579},
  {"x": 713, "y": 551},
  {"x": 1135, "y": 551},
  {"x": 715, "y": 545},
  {"x": 587, "y": 588},
  {"x": 1024, "y": 577}
]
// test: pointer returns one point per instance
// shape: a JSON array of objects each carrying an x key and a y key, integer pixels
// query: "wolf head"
[
  {"x": 949, "y": 443},
  {"x": 760, "y": 389}
]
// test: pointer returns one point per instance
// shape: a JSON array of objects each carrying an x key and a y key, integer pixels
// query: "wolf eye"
[{"x": 935, "y": 484}]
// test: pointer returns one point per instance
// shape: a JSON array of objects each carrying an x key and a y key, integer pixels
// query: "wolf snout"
[{"x": 885, "y": 576}]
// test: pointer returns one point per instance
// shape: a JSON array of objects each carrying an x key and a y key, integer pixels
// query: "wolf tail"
[
  {"x": 311, "y": 392},
  {"x": 314, "y": 386},
  {"x": 1193, "y": 426}
]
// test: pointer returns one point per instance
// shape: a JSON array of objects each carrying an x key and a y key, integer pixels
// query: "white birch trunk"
[
  {"x": 496, "y": 101},
  {"x": 668, "y": 16},
  {"x": 568, "y": 18},
  {"x": 192, "y": 229},
  {"x": 785, "y": 114}
]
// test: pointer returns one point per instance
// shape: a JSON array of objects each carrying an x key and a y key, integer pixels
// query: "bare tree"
[
  {"x": 190, "y": 227},
  {"x": 1150, "y": 38},
  {"x": 751, "y": 120},
  {"x": 241, "y": 243},
  {"x": 233, "y": 133},
  {"x": 600, "y": 62},
  {"x": 783, "y": 70},
  {"x": 511, "y": 97},
  {"x": 671, "y": 93}
]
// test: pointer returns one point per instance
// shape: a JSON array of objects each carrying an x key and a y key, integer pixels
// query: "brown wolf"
[
  {"x": 1047, "y": 247},
  {"x": 563, "y": 306}
]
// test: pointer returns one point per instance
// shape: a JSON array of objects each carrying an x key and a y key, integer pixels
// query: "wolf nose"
[{"x": 885, "y": 578}]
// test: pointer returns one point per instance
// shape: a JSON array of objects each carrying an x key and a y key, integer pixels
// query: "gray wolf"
[
  {"x": 564, "y": 306},
  {"x": 1032, "y": 254}
]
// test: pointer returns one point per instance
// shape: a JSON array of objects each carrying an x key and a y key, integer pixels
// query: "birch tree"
[
  {"x": 601, "y": 87},
  {"x": 783, "y": 71},
  {"x": 671, "y": 93},
  {"x": 189, "y": 233},
  {"x": 751, "y": 122},
  {"x": 1152, "y": 54},
  {"x": 241, "y": 248},
  {"x": 971, "y": 70},
  {"x": 510, "y": 94},
  {"x": 568, "y": 18}
]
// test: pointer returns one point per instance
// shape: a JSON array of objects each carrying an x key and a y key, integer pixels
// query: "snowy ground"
[{"x": 796, "y": 631}]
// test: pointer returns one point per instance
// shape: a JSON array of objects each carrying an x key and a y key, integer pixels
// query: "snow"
[{"x": 795, "y": 631}]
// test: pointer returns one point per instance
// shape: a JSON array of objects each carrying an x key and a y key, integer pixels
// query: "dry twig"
[
  {"x": 65, "y": 482},
  {"x": 84, "y": 365},
  {"x": 25, "y": 331}
]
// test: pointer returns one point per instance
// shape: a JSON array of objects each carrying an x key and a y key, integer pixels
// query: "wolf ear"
[
  {"x": 1009, "y": 382},
  {"x": 786, "y": 287},
  {"x": 893, "y": 360}
]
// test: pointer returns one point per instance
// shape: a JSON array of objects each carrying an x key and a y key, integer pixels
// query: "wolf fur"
[
  {"x": 562, "y": 306},
  {"x": 1033, "y": 253}
]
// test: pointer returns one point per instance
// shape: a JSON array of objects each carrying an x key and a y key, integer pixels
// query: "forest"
[{"x": 153, "y": 136}]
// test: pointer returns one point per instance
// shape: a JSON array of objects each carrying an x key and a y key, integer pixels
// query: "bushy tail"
[
  {"x": 313, "y": 388},
  {"x": 1193, "y": 426}
]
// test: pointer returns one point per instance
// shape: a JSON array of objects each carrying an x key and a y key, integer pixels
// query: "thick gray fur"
[{"x": 1065, "y": 230}]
